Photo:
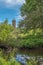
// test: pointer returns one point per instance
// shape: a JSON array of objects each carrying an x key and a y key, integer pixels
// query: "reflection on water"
[
  {"x": 31, "y": 52},
  {"x": 21, "y": 59},
  {"x": 33, "y": 56},
  {"x": 24, "y": 58}
]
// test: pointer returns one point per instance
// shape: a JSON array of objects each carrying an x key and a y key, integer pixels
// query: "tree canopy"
[
  {"x": 33, "y": 10},
  {"x": 5, "y": 30}
]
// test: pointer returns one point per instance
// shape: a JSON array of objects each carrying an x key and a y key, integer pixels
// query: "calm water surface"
[{"x": 24, "y": 55}]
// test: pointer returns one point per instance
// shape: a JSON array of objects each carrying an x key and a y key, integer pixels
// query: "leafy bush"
[
  {"x": 12, "y": 62},
  {"x": 30, "y": 41}
]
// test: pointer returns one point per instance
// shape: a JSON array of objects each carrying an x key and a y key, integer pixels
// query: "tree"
[
  {"x": 5, "y": 30},
  {"x": 33, "y": 10},
  {"x": 6, "y": 21}
]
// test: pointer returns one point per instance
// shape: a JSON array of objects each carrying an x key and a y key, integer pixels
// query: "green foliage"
[
  {"x": 31, "y": 26},
  {"x": 8, "y": 59},
  {"x": 29, "y": 33},
  {"x": 12, "y": 36},
  {"x": 30, "y": 41},
  {"x": 32, "y": 10},
  {"x": 32, "y": 62},
  {"x": 3, "y": 62},
  {"x": 5, "y": 30},
  {"x": 12, "y": 62}
]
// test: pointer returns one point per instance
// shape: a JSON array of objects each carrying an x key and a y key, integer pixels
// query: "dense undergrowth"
[
  {"x": 19, "y": 38},
  {"x": 28, "y": 39},
  {"x": 31, "y": 41}
]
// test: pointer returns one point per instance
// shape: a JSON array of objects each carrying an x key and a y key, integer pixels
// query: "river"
[{"x": 35, "y": 54}]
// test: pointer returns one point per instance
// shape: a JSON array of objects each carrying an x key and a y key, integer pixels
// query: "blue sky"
[{"x": 10, "y": 9}]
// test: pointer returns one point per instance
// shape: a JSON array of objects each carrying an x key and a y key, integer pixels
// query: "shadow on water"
[{"x": 31, "y": 52}]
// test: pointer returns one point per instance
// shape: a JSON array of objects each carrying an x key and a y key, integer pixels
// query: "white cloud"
[
  {"x": 19, "y": 17},
  {"x": 12, "y": 2}
]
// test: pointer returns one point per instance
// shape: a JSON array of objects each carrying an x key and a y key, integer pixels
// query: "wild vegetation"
[
  {"x": 32, "y": 24},
  {"x": 28, "y": 34},
  {"x": 29, "y": 30}
]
